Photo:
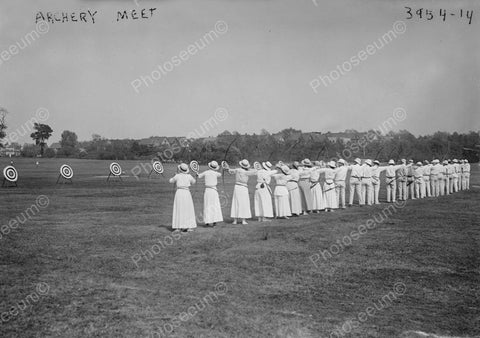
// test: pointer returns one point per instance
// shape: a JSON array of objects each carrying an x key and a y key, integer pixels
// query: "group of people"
[{"x": 310, "y": 187}]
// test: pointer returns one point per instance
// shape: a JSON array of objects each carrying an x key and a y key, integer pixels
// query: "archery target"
[
  {"x": 158, "y": 167},
  {"x": 257, "y": 165},
  {"x": 115, "y": 169},
  {"x": 66, "y": 171},
  {"x": 194, "y": 166},
  {"x": 10, "y": 173}
]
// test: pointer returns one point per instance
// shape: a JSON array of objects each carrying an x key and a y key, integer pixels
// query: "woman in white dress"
[
  {"x": 183, "y": 212},
  {"x": 305, "y": 186},
  {"x": 294, "y": 191},
  {"x": 212, "y": 210},
  {"x": 263, "y": 192},
  {"x": 318, "y": 200},
  {"x": 331, "y": 200},
  {"x": 241, "y": 199},
  {"x": 282, "y": 203}
]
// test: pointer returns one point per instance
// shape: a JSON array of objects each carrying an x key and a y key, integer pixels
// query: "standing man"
[
  {"x": 449, "y": 174},
  {"x": 390, "y": 181},
  {"x": 356, "y": 182},
  {"x": 467, "y": 175},
  {"x": 402, "y": 180},
  {"x": 455, "y": 175},
  {"x": 376, "y": 170},
  {"x": 340, "y": 177}
]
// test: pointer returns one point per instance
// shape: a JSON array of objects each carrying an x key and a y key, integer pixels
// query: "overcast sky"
[{"x": 259, "y": 69}]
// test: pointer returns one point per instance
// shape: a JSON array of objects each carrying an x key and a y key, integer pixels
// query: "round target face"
[
  {"x": 194, "y": 166},
  {"x": 66, "y": 171},
  {"x": 115, "y": 169},
  {"x": 10, "y": 173},
  {"x": 158, "y": 167},
  {"x": 225, "y": 165},
  {"x": 257, "y": 166}
]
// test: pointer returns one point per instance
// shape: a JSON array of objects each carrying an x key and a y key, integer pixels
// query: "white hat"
[
  {"x": 419, "y": 163},
  {"x": 306, "y": 162},
  {"x": 332, "y": 164},
  {"x": 391, "y": 162},
  {"x": 317, "y": 163},
  {"x": 244, "y": 164},
  {"x": 445, "y": 162},
  {"x": 403, "y": 160},
  {"x": 357, "y": 160},
  {"x": 296, "y": 164},
  {"x": 455, "y": 160},
  {"x": 285, "y": 169},
  {"x": 266, "y": 165},
  {"x": 466, "y": 161},
  {"x": 183, "y": 167},
  {"x": 435, "y": 161},
  {"x": 369, "y": 162},
  {"x": 342, "y": 161},
  {"x": 213, "y": 165}
]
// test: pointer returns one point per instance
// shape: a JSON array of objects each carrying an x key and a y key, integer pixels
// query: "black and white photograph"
[{"x": 240, "y": 168}]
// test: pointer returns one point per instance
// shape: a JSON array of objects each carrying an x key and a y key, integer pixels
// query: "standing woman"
[
  {"x": 304, "y": 185},
  {"x": 316, "y": 188},
  {"x": 212, "y": 211},
  {"x": 263, "y": 193},
  {"x": 241, "y": 199},
  {"x": 293, "y": 190},
  {"x": 282, "y": 204},
  {"x": 183, "y": 212},
  {"x": 331, "y": 200}
]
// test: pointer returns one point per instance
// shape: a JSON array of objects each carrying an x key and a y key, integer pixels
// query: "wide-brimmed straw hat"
[
  {"x": 306, "y": 162},
  {"x": 285, "y": 169},
  {"x": 377, "y": 162},
  {"x": 244, "y": 164},
  {"x": 369, "y": 162},
  {"x": 391, "y": 162},
  {"x": 267, "y": 165},
  {"x": 213, "y": 165},
  {"x": 342, "y": 161},
  {"x": 357, "y": 160},
  {"x": 332, "y": 164},
  {"x": 183, "y": 168}
]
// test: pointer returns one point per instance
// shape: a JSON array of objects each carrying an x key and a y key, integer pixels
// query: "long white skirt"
[
  {"x": 305, "y": 195},
  {"x": 295, "y": 199},
  {"x": 212, "y": 210},
  {"x": 331, "y": 200},
  {"x": 183, "y": 211},
  {"x": 263, "y": 203},
  {"x": 240, "y": 203},
  {"x": 282, "y": 204},
  {"x": 318, "y": 198}
]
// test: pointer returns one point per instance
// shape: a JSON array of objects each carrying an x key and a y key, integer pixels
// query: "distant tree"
[
  {"x": 68, "y": 143},
  {"x": 3, "y": 125},
  {"x": 41, "y": 135},
  {"x": 264, "y": 132},
  {"x": 29, "y": 150}
]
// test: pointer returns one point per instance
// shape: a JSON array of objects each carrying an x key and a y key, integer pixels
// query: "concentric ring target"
[
  {"x": 115, "y": 169},
  {"x": 10, "y": 173},
  {"x": 158, "y": 167},
  {"x": 66, "y": 171},
  {"x": 257, "y": 165},
  {"x": 194, "y": 166}
]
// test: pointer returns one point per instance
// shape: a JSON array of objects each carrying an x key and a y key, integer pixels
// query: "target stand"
[
  {"x": 66, "y": 174},
  {"x": 157, "y": 167},
  {"x": 115, "y": 171},
  {"x": 10, "y": 177}
]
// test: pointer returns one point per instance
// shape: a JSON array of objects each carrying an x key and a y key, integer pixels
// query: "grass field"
[{"x": 97, "y": 259}]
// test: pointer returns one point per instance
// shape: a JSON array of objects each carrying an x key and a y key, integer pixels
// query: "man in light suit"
[{"x": 356, "y": 182}]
